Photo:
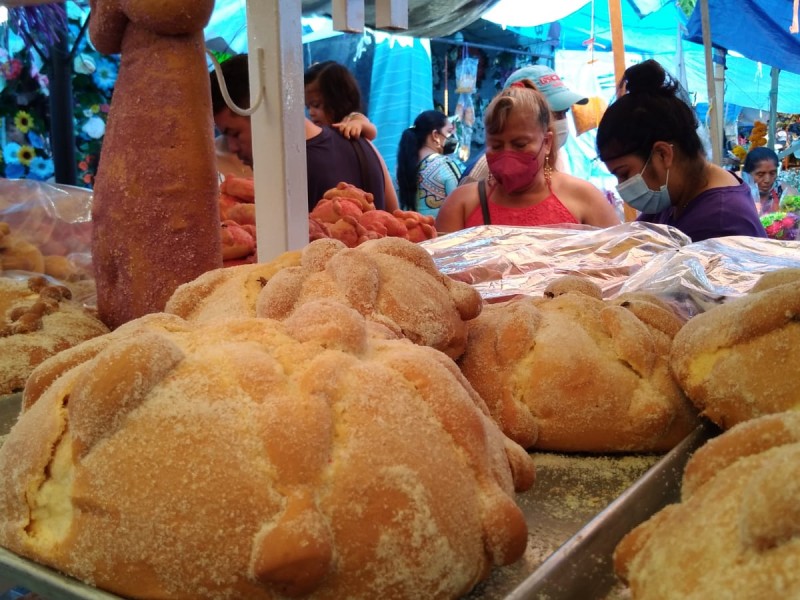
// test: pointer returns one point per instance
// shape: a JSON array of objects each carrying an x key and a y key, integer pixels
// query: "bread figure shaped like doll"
[{"x": 155, "y": 213}]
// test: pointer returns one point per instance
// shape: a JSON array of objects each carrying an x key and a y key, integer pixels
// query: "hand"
[{"x": 349, "y": 128}]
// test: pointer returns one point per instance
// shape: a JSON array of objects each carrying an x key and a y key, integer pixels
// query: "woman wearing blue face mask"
[{"x": 648, "y": 139}]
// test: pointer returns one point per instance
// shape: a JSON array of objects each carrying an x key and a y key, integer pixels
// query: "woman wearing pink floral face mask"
[{"x": 523, "y": 188}]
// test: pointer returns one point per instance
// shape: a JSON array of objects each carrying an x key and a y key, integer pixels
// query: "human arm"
[
  {"x": 390, "y": 202},
  {"x": 452, "y": 214},
  {"x": 356, "y": 125},
  {"x": 587, "y": 203}
]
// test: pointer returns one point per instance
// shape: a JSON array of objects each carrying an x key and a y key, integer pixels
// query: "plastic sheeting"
[{"x": 502, "y": 262}]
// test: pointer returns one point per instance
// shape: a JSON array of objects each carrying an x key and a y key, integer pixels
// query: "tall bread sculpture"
[{"x": 155, "y": 212}]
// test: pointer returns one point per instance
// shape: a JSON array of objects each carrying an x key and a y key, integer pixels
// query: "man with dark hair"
[{"x": 330, "y": 158}]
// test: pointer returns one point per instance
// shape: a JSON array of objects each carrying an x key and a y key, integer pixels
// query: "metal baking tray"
[{"x": 577, "y": 511}]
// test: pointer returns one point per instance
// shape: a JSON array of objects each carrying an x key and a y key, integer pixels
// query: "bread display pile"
[
  {"x": 572, "y": 372},
  {"x": 254, "y": 458},
  {"x": 738, "y": 360},
  {"x": 391, "y": 281},
  {"x": 38, "y": 319},
  {"x": 736, "y": 531}
]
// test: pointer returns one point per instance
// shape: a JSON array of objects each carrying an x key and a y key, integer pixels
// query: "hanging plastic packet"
[{"x": 466, "y": 79}]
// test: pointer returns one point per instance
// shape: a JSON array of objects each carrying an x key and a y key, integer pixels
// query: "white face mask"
[
  {"x": 562, "y": 132},
  {"x": 635, "y": 192}
]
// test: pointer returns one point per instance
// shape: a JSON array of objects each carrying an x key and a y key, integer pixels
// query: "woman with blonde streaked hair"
[{"x": 523, "y": 188}]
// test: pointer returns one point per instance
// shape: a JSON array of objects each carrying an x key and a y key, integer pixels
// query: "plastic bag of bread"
[
  {"x": 38, "y": 319},
  {"x": 574, "y": 373},
  {"x": 391, "y": 281},
  {"x": 736, "y": 532},
  {"x": 737, "y": 361},
  {"x": 258, "y": 459}
]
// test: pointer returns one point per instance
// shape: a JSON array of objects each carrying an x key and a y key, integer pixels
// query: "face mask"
[
  {"x": 512, "y": 169},
  {"x": 635, "y": 192},
  {"x": 562, "y": 132},
  {"x": 450, "y": 145}
]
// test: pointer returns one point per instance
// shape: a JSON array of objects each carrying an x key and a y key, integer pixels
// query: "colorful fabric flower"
[
  {"x": 41, "y": 168},
  {"x": 25, "y": 155},
  {"x": 11, "y": 68},
  {"x": 11, "y": 153},
  {"x": 94, "y": 127},
  {"x": 84, "y": 64},
  {"x": 105, "y": 75},
  {"x": 36, "y": 140},
  {"x": 15, "y": 171},
  {"x": 23, "y": 121}
]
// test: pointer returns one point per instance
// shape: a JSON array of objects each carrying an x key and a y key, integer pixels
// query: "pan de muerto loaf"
[
  {"x": 736, "y": 532},
  {"x": 572, "y": 372},
  {"x": 258, "y": 459},
  {"x": 738, "y": 360},
  {"x": 391, "y": 281},
  {"x": 155, "y": 212}
]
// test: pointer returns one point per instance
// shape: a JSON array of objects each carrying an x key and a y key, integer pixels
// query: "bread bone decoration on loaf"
[
  {"x": 394, "y": 283},
  {"x": 155, "y": 211},
  {"x": 736, "y": 532},
  {"x": 571, "y": 372},
  {"x": 738, "y": 361},
  {"x": 37, "y": 320},
  {"x": 253, "y": 458}
]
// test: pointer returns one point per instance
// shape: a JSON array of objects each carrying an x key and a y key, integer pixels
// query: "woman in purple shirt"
[{"x": 648, "y": 139}]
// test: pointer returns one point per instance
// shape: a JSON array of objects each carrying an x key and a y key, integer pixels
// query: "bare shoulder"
[
  {"x": 457, "y": 207},
  {"x": 584, "y": 200}
]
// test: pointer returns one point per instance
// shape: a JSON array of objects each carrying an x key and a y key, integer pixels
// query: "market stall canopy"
[{"x": 757, "y": 29}]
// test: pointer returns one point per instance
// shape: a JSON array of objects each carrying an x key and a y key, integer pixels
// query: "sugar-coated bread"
[
  {"x": 394, "y": 283},
  {"x": 155, "y": 213},
  {"x": 738, "y": 360},
  {"x": 572, "y": 372},
  {"x": 736, "y": 533},
  {"x": 37, "y": 320},
  {"x": 261, "y": 459}
]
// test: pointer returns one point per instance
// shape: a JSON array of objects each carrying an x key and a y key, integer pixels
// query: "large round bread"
[
  {"x": 572, "y": 372},
  {"x": 391, "y": 281},
  {"x": 256, "y": 459},
  {"x": 738, "y": 360},
  {"x": 736, "y": 533},
  {"x": 37, "y": 320}
]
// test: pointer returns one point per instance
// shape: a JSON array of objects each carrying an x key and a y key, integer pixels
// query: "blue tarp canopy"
[{"x": 757, "y": 29}]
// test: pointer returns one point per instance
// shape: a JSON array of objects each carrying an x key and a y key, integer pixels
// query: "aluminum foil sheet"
[{"x": 502, "y": 262}]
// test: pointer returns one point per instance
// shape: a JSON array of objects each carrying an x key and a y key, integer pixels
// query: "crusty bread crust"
[
  {"x": 252, "y": 458},
  {"x": 571, "y": 372}
]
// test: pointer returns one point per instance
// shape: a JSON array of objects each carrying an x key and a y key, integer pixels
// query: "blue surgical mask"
[{"x": 635, "y": 193}]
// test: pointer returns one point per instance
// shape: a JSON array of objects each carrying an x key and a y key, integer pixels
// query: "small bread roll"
[
  {"x": 736, "y": 534},
  {"x": 737, "y": 361},
  {"x": 573, "y": 373},
  {"x": 257, "y": 459}
]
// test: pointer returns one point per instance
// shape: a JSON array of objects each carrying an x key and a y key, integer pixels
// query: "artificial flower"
[
  {"x": 94, "y": 127},
  {"x": 25, "y": 155},
  {"x": 15, "y": 171},
  {"x": 11, "y": 153},
  {"x": 41, "y": 168},
  {"x": 35, "y": 140},
  {"x": 105, "y": 75},
  {"x": 23, "y": 121},
  {"x": 11, "y": 68}
]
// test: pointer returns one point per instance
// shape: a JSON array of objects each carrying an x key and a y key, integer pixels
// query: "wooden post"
[
  {"x": 279, "y": 160},
  {"x": 348, "y": 15},
  {"x": 773, "y": 107},
  {"x": 714, "y": 103},
  {"x": 391, "y": 14},
  {"x": 618, "y": 52}
]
